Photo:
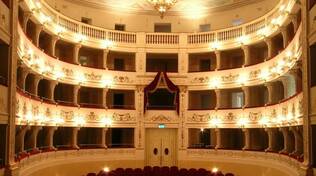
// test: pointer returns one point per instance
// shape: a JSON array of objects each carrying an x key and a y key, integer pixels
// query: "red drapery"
[{"x": 154, "y": 85}]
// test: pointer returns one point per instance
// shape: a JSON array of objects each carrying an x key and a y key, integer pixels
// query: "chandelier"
[{"x": 162, "y": 5}]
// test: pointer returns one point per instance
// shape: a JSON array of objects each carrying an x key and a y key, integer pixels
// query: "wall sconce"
[
  {"x": 106, "y": 83},
  {"x": 80, "y": 38},
  {"x": 80, "y": 121},
  {"x": 215, "y": 45},
  {"x": 264, "y": 74},
  {"x": 243, "y": 39},
  {"x": 59, "y": 30},
  {"x": 215, "y": 82},
  {"x": 215, "y": 122},
  {"x": 242, "y": 79},
  {"x": 242, "y": 122},
  {"x": 106, "y": 121},
  {"x": 107, "y": 44}
]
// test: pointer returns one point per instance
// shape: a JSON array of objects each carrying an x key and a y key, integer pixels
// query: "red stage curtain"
[{"x": 154, "y": 85}]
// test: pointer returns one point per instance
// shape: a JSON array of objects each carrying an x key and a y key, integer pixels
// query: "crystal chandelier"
[{"x": 162, "y": 5}]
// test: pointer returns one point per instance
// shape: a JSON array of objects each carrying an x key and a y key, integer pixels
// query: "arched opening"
[
  {"x": 258, "y": 53},
  {"x": 43, "y": 88},
  {"x": 233, "y": 58},
  {"x": 44, "y": 42},
  {"x": 31, "y": 31},
  {"x": 64, "y": 51},
  {"x": 62, "y": 138},
  {"x": 89, "y": 137},
  {"x": 277, "y": 44}
]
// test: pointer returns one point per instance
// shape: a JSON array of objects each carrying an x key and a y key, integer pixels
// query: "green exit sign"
[{"x": 161, "y": 126}]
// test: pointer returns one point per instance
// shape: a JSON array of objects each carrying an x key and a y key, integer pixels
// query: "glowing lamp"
[
  {"x": 242, "y": 122},
  {"x": 80, "y": 38},
  {"x": 215, "y": 82},
  {"x": 107, "y": 121},
  {"x": 242, "y": 79},
  {"x": 106, "y": 169},
  {"x": 80, "y": 121},
  {"x": 215, "y": 45},
  {"x": 59, "y": 29},
  {"x": 107, "y": 44},
  {"x": 214, "y": 170},
  {"x": 215, "y": 122}
]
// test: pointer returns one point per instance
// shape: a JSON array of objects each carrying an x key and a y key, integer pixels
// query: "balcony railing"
[{"x": 93, "y": 33}]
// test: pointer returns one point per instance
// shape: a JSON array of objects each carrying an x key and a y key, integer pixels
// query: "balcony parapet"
[
  {"x": 285, "y": 113},
  {"x": 75, "y": 31},
  {"x": 36, "y": 112},
  {"x": 53, "y": 69},
  {"x": 32, "y": 111}
]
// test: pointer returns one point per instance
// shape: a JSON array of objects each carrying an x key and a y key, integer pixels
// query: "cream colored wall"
[
  {"x": 3, "y": 103},
  {"x": 218, "y": 20},
  {"x": 4, "y": 23},
  {"x": 313, "y": 104}
]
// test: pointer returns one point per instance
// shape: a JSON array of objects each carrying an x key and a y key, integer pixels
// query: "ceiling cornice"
[{"x": 103, "y": 6}]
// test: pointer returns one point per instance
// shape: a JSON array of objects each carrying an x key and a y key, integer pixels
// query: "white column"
[
  {"x": 285, "y": 36},
  {"x": 270, "y": 47},
  {"x": 50, "y": 137},
  {"x": 104, "y": 94},
  {"x": 26, "y": 17},
  {"x": 269, "y": 86},
  {"x": 38, "y": 30},
  {"x": 183, "y": 58},
  {"x": 75, "y": 94},
  {"x": 218, "y": 99},
  {"x": 51, "y": 89},
  {"x": 218, "y": 138},
  {"x": 246, "y": 132},
  {"x": 35, "y": 84},
  {"x": 271, "y": 139},
  {"x": 35, "y": 130},
  {"x": 140, "y": 61},
  {"x": 25, "y": 71},
  {"x": 52, "y": 44},
  {"x": 20, "y": 138},
  {"x": 294, "y": 21},
  {"x": 76, "y": 50},
  {"x": 105, "y": 58},
  {"x": 246, "y": 91},
  {"x": 246, "y": 50},
  {"x": 286, "y": 85},
  {"x": 298, "y": 141},
  {"x": 218, "y": 60},
  {"x": 74, "y": 137},
  {"x": 285, "y": 133},
  {"x": 103, "y": 137}
]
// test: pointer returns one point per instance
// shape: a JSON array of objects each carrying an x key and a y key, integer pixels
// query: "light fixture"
[
  {"x": 162, "y": 5},
  {"x": 107, "y": 44},
  {"x": 59, "y": 29},
  {"x": 215, "y": 122},
  {"x": 214, "y": 45},
  {"x": 80, "y": 121},
  {"x": 214, "y": 170},
  {"x": 242, "y": 122},
  {"x": 215, "y": 82},
  {"x": 106, "y": 169},
  {"x": 107, "y": 121},
  {"x": 80, "y": 38},
  {"x": 242, "y": 79},
  {"x": 107, "y": 82}
]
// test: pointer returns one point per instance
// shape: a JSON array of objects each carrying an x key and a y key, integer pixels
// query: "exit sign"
[{"x": 161, "y": 126}]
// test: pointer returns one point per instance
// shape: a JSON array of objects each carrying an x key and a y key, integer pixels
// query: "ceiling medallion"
[{"x": 162, "y": 5}]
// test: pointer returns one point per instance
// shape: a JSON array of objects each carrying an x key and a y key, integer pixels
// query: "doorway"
[{"x": 161, "y": 147}]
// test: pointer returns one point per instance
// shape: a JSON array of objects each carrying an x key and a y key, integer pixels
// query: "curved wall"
[
  {"x": 180, "y": 23},
  {"x": 238, "y": 162}
]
